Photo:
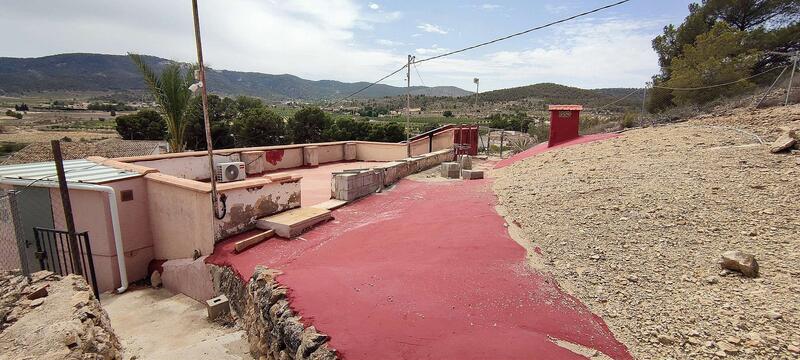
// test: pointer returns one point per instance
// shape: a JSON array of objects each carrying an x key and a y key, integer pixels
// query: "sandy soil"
[
  {"x": 156, "y": 324},
  {"x": 634, "y": 227}
]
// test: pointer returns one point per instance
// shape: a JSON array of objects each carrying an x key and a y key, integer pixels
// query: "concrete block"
[
  {"x": 471, "y": 174},
  {"x": 450, "y": 170},
  {"x": 217, "y": 306},
  {"x": 465, "y": 161}
]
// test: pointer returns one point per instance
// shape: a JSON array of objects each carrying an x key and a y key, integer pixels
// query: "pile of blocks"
[{"x": 461, "y": 168}]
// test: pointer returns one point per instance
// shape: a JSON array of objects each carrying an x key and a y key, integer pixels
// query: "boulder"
[
  {"x": 784, "y": 142},
  {"x": 739, "y": 261}
]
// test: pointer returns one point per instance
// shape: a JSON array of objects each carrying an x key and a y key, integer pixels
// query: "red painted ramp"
[
  {"x": 426, "y": 271},
  {"x": 538, "y": 149}
]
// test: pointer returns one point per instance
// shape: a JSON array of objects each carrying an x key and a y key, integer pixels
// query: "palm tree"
[{"x": 171, "y": 92}]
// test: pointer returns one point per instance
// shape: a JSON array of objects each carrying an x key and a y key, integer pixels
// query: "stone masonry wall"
[{"x": 274, "y": 331}]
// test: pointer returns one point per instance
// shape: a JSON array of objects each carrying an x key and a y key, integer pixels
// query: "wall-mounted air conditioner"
[{"x": 230, "y": 171}]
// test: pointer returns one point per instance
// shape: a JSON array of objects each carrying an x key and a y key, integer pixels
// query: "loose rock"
[{"x": 741, "y": 262}]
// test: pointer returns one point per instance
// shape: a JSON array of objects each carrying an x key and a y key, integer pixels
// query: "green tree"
[
  {"x": 447, "y": 113},
  {"x": 142, "y": 125},
  {"x": 716, "y": 57},
  {"x": 345, "y": 128},
  {"x": 244, "y": 103},
  {"x": 308, "y": 125},
  {"x": 259, "y": 127},
  {"x": 170, "y": 89},
  {"x": 221, "y": 113}
]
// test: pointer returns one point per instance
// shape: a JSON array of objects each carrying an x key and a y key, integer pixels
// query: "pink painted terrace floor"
[{"x": 426, "y": 270}]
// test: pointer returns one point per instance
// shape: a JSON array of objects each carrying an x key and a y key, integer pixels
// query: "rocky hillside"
[
  {"x": 53, "y": 317},
  {"x": 636, "y": 228}
]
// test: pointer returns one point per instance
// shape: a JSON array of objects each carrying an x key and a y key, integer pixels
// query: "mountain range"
[{"x": 100, "y": 72}]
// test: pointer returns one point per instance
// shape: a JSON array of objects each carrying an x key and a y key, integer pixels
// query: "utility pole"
[
  {"x": 794, "y": 57},
  {"x": 75, "y": 252},
  {"x": 204, "y": 95},
  {"x": 644, "y": 101},
  {"x": 408, "y": 105}
]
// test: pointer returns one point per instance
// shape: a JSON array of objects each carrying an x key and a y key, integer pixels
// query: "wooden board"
[
  {"x": 241, "y": 245},
  {"x": 292, "y": 223},
  {"x": 330, "y": 204}
]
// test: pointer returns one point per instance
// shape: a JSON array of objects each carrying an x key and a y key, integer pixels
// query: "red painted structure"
[
  {"x": 392, "y": 278},
  {"x": 465, "y": 139},
  {"x": 538, "y": 149},
  {"x": 564, "y": 123}
]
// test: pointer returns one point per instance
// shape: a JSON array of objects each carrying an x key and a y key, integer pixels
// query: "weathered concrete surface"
[{"x": 157, "y": 324}]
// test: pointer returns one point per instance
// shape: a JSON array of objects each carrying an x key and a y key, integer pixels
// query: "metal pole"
[
  {"x": 204, "y": 95},
  {"x": 70, "y": 222},
  {"x": 408, "y": 105},
  {"x": 795, "y": 58},
  {"x": 770, "y": 87},
  {"x": 502, "y": 133},
  {"x": 644, "y": 101}
]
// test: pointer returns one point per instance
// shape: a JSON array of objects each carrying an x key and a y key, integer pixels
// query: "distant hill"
[
  {"x": 97, "y": 72},
  {"x": 549, "y": 93}
]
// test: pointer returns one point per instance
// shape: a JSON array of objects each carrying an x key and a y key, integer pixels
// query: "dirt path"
[
  {"x": 634, "y": 226},
  {"x": 156, "y": 324}
]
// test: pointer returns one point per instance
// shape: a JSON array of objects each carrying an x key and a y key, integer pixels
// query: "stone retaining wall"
[{"x": 274, "y": 330}]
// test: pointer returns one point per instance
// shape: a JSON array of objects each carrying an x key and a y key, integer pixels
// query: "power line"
[
  {"x": 524, "y": 31},
  {"x": 372, "y": 84},
  {"x": 620, "y": 99},
  {"x": 418, "y": 76},
  {"x": 484, "y": 44},
  {"x": 717, "y": 85}
]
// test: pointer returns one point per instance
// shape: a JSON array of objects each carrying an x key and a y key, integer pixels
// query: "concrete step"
[
  {"x": 292, "y": 223},
  {"x": 241, "y": 245}
]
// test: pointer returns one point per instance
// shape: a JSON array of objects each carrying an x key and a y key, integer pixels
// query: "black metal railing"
[{"x": 55, "y": 254}]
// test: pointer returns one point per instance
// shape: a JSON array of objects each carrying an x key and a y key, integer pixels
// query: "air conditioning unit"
[{"x": 230, "y": 171}]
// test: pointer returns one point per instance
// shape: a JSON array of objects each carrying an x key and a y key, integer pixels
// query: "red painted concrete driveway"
[
  {"x": 426, "y": 271},
  {"x": 538, "y": 149}
]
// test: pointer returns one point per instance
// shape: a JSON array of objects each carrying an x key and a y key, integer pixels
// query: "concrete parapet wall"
[{"x": 351, "y": 185}]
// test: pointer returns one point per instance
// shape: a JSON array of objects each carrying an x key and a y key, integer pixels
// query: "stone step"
[
  {"x": 330, "y": 204},
  {"x": 292, "y": 223}
]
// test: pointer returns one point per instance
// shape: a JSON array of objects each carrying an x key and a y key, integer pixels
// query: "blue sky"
[{"x": 352, "y": 40}]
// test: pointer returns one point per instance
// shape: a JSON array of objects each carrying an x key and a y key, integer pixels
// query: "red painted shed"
[{"x": 564, "y": 122}]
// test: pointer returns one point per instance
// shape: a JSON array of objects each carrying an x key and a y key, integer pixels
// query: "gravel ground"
[{"x": 634, "y": 227}]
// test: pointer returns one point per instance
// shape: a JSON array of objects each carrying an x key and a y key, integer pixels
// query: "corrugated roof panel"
[{"x": 81, "y": 170}]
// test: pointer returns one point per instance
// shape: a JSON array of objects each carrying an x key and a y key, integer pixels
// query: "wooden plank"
[
  {"x": 289, "y": 224},
  {"x": 330, "y": 204},
  {"x": 241, "y": 245}
]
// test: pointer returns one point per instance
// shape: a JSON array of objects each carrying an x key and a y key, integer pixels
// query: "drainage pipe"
[{"x": 113, "y": 205}]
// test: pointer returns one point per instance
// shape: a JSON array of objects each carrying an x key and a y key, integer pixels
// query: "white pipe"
[{"x": 112, "y": 203}]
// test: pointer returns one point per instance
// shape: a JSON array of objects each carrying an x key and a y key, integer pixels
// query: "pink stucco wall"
[{"x": 92, "y": 213}]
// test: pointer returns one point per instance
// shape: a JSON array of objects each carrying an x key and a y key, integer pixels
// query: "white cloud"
[
  {"x": 374, "y": 6},
  {"x": 431, "y": 28},
  {"x": 314, "y": 39},
  {"x": 433, "y": 50},
  {"x": 385, "y": 42},
  {"x": 588, "y": 54},
  {"x": 490, "y": 6}
]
